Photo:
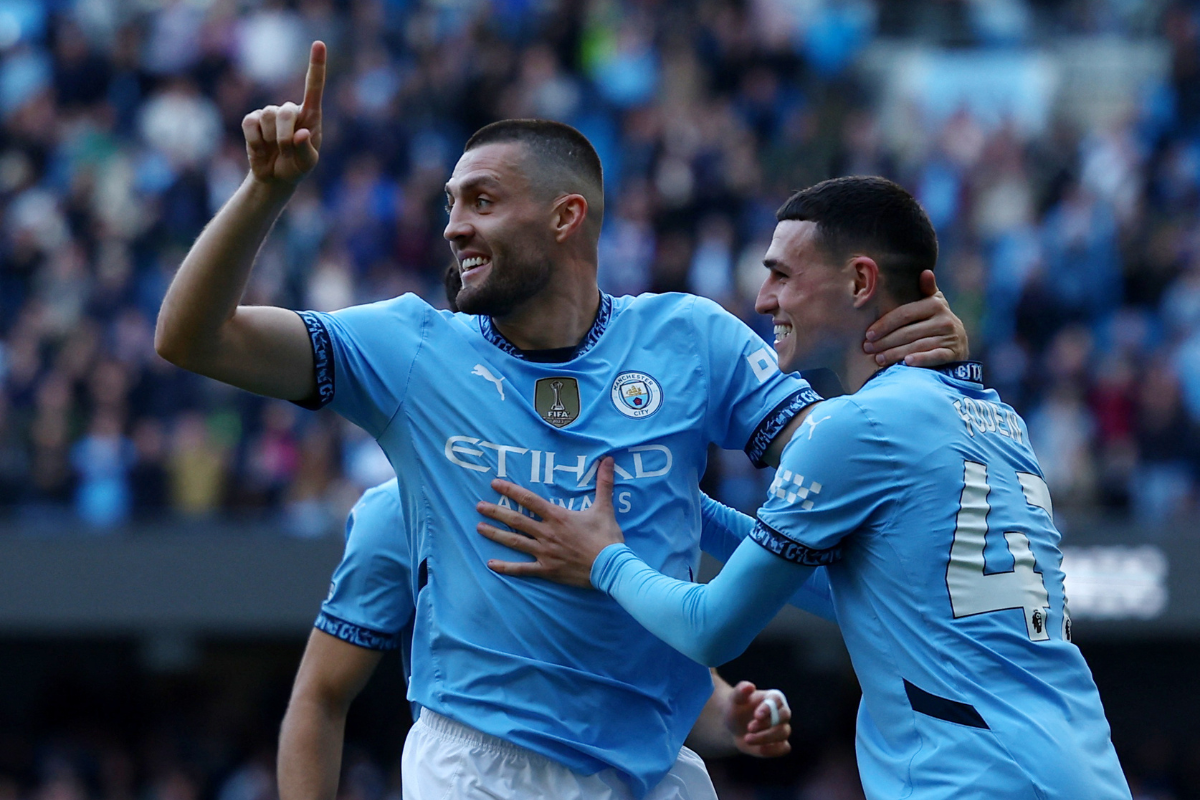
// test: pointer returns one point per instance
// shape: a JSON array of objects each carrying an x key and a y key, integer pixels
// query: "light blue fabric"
[
  {"x": 709, "y": 623},
  {"x": 724, "y": 528},
  {"x": 371, "y": 596},
  {"x": 559, "y": 670},
  {"x": 922, "y": 495}
]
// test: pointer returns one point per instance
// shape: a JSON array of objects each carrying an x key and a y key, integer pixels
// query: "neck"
[
  {"x": 558, "y": 316},
  {"x": 857, "y": 368}
]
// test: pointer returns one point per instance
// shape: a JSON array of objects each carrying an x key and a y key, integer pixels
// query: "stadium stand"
[{"x": 1054, "y": 143}]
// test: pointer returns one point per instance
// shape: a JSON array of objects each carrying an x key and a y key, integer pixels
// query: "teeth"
[
  {"x": 473, "y": 262},
  {"x": 782, "y": 331}
]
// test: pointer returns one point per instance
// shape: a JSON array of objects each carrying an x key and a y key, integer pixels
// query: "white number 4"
[{"x": 971, "y": 591}]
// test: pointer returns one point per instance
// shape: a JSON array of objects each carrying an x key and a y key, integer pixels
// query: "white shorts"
[{"x": 446, "y": 760}]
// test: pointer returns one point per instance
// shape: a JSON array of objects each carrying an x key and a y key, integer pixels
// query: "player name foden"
[
  {"x": 988, "y": 417},
  {"x": 542, "y": 466}
]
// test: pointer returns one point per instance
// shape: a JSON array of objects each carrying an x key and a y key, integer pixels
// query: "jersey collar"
[
  {"x": 561, "y": 354},
  {"x": 969, "y": 371}
]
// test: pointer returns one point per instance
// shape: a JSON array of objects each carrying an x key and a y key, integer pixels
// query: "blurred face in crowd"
[
  {"x": 500, "y": 230},
  {"x": 808, "y": 296}
]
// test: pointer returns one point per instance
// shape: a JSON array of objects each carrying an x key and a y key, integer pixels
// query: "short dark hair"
[
  {"x": 873, "y": 217},
  {"x": 560, "y": 157}
]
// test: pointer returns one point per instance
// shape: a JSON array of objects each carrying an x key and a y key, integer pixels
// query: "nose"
[
  {"x": 456, "y": 226},
  {"x": 765, "y": 302}
]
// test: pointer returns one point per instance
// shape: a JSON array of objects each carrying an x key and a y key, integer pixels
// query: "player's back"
[{"x": 952, "y": 605}]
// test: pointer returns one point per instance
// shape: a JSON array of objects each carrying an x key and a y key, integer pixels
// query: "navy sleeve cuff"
[
  {"x": 356, "y": 634},
  {"x": 322, "y": 347},
  {"x": 793, "y": 551},
  {"x": 776, "y": 421}
]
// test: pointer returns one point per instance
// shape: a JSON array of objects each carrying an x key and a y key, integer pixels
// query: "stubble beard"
[{"x": 514, "y": 279}]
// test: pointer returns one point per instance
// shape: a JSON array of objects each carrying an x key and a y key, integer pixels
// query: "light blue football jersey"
[
  {"x": 371, "y": 595},
  {"x": 562, "y": 671},
  {"x": 922, "y": 494}
]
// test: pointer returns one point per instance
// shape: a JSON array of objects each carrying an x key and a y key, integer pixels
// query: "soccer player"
[
  {"x": 922, "y": 495},
  {"x": 370, "y": 609},
  {"x": 539, "y": 377}
]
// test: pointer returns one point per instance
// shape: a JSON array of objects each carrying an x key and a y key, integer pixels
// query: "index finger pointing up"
[{"x": 314, "y": 81}]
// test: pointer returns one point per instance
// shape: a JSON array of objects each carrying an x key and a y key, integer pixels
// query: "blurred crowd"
[{"x": 1072, "y": 251}]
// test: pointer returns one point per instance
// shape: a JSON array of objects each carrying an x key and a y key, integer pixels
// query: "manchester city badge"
[{"x": 636, "y": 394}]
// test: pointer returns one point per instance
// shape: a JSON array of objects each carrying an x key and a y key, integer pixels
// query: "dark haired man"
[
  {"x": 921, "y": 496},
  {"x": 371, "y": 609},
  {"x": 546, "y": 690}
]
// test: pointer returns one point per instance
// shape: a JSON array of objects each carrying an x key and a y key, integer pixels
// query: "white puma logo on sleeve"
[{"x": 812, "y": 424}]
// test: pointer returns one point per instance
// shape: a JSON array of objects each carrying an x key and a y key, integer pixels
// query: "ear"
[
  {"x": 570, "y": 211},
  {"x": 865, "y": 274}
]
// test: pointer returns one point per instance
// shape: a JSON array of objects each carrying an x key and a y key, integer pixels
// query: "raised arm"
[{"x": 201, "y": 326}]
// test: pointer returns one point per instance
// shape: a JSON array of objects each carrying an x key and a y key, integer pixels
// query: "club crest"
[
  {"x": 557, "y": 400},
  {"x": 636, "y": 394}
]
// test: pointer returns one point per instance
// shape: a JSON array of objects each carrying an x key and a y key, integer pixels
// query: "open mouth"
[
  {"x": 473, "y": 263},
  {"x": 782, "y": 332}
]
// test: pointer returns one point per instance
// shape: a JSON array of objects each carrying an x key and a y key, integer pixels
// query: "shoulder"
[
  {"x": 831, "y": 424},
  {"x": 407, "y": 306},
  {"x": 377, "y": 511},
  {"x": 656, "y": 305},
  {"x": 902, "y": 389}
]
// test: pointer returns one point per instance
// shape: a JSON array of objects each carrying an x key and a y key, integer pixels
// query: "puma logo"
[
  {"x": 812, "y": 424},
  {"x": 486, "y": 374}
]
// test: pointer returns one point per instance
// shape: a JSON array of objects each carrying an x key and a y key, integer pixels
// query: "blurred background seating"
[{"x": 1055, "y": 144}]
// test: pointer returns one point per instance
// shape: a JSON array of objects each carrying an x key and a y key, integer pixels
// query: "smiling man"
[
  {"x": 920, "y": 494},
  {"x": 526, "y": 689}
]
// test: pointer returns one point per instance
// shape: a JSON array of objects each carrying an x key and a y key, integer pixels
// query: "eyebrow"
[
  {"x": 772, "y": 263},
  {"x": 475, "y": 183}
]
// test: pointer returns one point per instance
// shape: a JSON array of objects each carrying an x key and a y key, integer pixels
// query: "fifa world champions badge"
[{"x": 636, "y": 394}]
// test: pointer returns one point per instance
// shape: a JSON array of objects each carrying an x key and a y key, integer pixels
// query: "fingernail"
[
  {"x": 872, "y": 336},
  {"x": 868, "y": 347},
  {"x": 879, "y": 359}
]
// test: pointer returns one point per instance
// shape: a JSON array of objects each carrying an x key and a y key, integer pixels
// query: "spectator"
[{"x": 120, "y": 134}]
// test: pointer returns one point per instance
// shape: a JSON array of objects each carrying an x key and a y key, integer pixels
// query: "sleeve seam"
[
  {"x": 699, "y": 340},
  {"x": 424, "y": 336},
  {"x": 890, "y": 452}
]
